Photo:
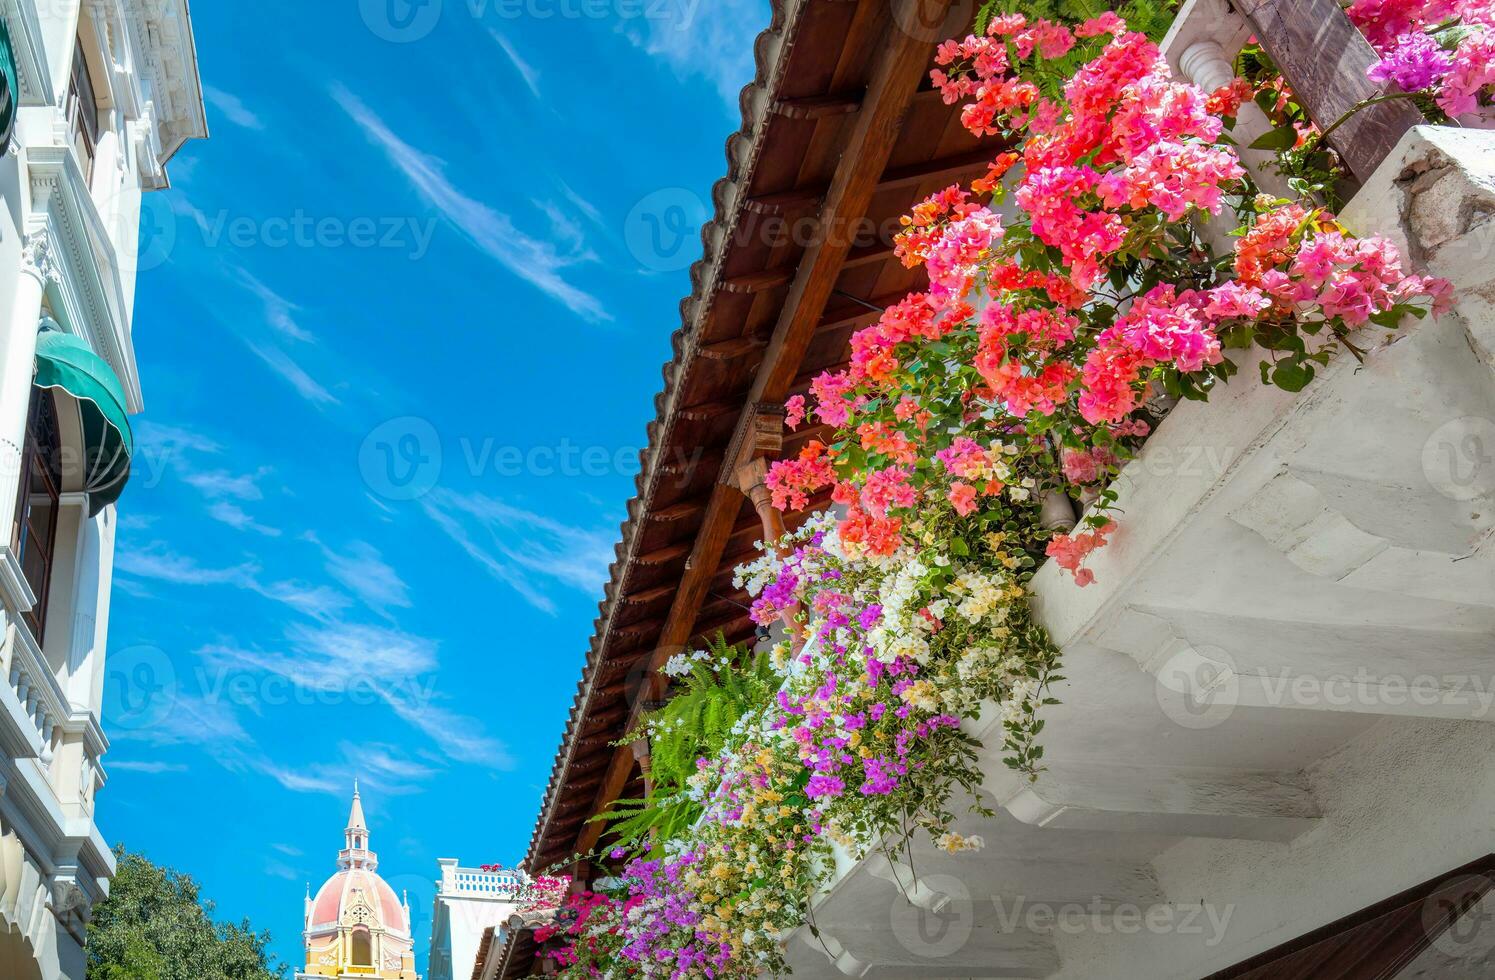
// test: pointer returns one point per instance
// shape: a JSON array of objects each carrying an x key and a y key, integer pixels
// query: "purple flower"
[
  {"x": 880, "y": 778},
  {"x": 1413, "y": 63},
  {"x": 822, "y": 785}
]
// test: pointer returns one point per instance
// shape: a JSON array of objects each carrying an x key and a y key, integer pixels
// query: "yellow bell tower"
[{"x": 356, "y": 927}]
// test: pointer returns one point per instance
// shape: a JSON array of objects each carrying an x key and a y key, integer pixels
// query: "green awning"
[
  {"x": 10, "y": 89},
  {"x": 64, "y": 362}
]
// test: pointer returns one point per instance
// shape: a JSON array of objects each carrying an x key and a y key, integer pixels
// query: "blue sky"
[{"x": 399, "y": 324}]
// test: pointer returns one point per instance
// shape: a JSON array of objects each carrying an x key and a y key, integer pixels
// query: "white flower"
[{"x": 677, "y": 666}]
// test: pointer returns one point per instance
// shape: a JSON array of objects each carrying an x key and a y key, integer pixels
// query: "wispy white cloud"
[
  {"x": 384, "y": 765},
  {"x": 520, "y": 547},
  {"x": 174, "y": 439},
  {"x": 279, "y": 869},
  {"x": 396, "y": 667},
  {"x": 235, "y": 517},
  {"x": 363, "y": 571},
  {"x": 338, "y": 651},
  {"x": 538, "y": 262},
  {"x": 459, "y": 736},
  {"x": 279, "y": 311},
  {"x": 136, "y": 521},
  {"x": 218, "y": 484},
  {"x": 173, "y": 449},
  {"x": 288, "y": 850},
  {"x": 526, "y": 72},
  {"x": 711, "y": 41},
  {"x": 208, "y": 722},
  {"x": 155, "y": 562},
  {"x": 583, "y": 205},
  {"x": 320, "y": 602},
  {"x": 566, "y": 230},
  {"x": 295, "y": 375},
  {"x": 232, "y": 108},
  {"x": 299, "y": 780},
  {"x": 153, "y": 768}
]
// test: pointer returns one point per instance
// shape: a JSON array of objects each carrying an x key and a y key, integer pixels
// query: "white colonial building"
[
  {"x": 471, "y": 909},
  {"x": 97, "y": 97}
]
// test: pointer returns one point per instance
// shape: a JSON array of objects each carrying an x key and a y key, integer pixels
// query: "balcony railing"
[
  {"x": 38, "y": 697},
  {"x": 476, "y": 883}
]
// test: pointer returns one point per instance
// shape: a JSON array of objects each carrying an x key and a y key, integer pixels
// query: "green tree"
[{"x": 156, "y": 926}]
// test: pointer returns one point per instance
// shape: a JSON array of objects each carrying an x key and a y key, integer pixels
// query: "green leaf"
[
  {"x": 1292, "y": 375},
  {"x": 1283, "y": 138}
]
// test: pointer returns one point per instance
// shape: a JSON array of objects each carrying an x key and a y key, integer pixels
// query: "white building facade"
[
  {"x": 100, "y": 94},
  {"x": 471, "y": 908}
]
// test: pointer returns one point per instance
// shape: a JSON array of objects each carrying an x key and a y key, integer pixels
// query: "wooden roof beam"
[
  {"x": 901, "y": 62},
  {"x": 727, "y": 350},
  {"x": 1324, "y": 57},
  {"x": 757, "y": 282},
  {"x": 943, "y": 168},
  {"x": 663, "y": 556},
  {"x": 819, "y": 106}
]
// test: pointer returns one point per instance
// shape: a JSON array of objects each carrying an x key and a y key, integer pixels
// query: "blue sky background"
[{"x": 399, "y": 323}]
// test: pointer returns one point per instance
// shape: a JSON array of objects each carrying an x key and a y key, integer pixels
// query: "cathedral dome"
[
  {"x": 357, "y": 896},
  {"x": 357, "y": 926}
]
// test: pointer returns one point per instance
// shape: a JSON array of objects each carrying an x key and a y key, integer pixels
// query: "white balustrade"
[
  {"x": 36, "y": 689},
  {"x": 473, "y": 882}
]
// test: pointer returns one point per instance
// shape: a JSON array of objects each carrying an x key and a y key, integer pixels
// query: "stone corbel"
[
  {"x": 37, "y": 260},
  {"x": 65, "y": 894}
]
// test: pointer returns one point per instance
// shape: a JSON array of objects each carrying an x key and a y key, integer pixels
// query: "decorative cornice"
[
  {"x": 30, "y": 52},
  {"x": 164, "y": 32},
  {"x": 91, "y": 293}
]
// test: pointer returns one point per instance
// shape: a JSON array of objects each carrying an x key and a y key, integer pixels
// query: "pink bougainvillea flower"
[
  {"x": 1106, "y": 23},
  {"x": 794, "y": 411},
  {"x": 962, "y": 497},
  {"x": 1069, "y": 551}
]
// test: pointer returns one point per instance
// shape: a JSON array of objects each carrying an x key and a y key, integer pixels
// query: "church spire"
[
  {"x": 355, "y": 818},
  {"x": 356, "y": 853}
]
